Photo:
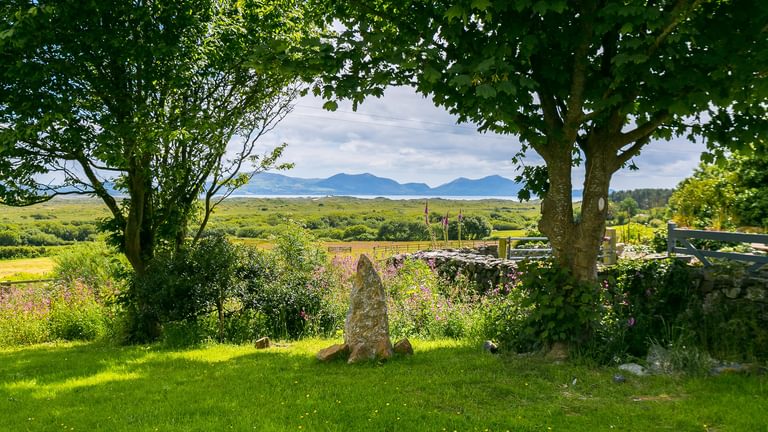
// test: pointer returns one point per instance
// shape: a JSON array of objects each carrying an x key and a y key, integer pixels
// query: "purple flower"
[
  {"x": 304, "y": 315},
  {"x": 631, "y": 322}
]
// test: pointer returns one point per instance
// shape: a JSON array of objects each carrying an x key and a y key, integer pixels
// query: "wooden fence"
[{"x": 683, "y": 236}]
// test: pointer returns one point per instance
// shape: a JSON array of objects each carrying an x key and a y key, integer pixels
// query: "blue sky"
[{"x": 403, "y": 136}]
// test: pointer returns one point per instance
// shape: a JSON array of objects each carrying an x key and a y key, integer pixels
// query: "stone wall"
[
  {"x": 486, "y": 271},
  {"x": 715, "y": 283}
]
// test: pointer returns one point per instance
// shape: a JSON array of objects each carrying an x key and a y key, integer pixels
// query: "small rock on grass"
[
  {"x": 634, "y": 369},
  {"x": 333, "y": 352},
  {"x": 262, "y": 343},
  {"x": 619, "y": 378},
  {"x": 490, "y": 347},
  {"x": 403, "y": 346}
]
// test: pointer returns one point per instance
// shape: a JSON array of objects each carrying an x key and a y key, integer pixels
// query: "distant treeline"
[{"x": 645, "y": 198}]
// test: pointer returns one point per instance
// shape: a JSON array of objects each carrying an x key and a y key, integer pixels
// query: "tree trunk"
[{"x": 576, "y": 243}]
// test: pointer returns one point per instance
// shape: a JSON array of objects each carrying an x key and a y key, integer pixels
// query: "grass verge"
[{"x": 445, "y": 386}]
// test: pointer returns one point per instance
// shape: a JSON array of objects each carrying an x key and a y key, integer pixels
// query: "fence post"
[
  {"x": 609, "y": 247},
  {"x": 502, "y": 251},
  {"x": 670, "y": 237}
]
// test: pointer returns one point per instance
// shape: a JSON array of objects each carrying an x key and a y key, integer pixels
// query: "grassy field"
[
  {"x": 25, "y": 269},
  {"x": 445, "y": 386}
]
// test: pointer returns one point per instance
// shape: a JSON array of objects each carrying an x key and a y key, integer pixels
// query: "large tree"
[
  {"x": 164, "y": 100},
  {"x": 586, "y": 82}
]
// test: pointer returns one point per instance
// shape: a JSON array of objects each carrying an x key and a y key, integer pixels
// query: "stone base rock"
[
  {"x": 333, "y": 352},
  {"x": 404, "y": 347},
  {"x": 490, "y": 347},
  {"x": 634, "y": 369},
  {"x": 557, "y": 352},
  {"x": 262, "y": 343}
]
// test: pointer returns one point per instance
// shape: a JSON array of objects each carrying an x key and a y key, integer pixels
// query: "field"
[
  {"x": 25, "y": 269},
  {"x": 447, "y": 385}
]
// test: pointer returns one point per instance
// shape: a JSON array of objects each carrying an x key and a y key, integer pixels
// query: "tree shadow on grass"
[{"x": 457, "y": 387}]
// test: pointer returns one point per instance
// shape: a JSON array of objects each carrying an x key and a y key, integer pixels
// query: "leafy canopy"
[{"x": 560, "y": 73}]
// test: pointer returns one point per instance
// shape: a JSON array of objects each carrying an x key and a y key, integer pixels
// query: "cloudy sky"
[{"x": 403, "y": 136}]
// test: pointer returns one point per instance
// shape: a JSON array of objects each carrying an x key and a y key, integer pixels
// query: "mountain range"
[{"x": 369, "y": 184}]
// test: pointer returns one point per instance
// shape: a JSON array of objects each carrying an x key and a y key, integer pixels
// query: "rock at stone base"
[
  {"x": 490, "y": 347},
  {"x": 558, "y": 352},
  {"x": 619, "y": 378},
  {"x": 634, "y": 369},
  {"x": 262, "y": 343},
  {"x": 366, "y": 329},
  {"x": 384, "y": 350},
  {"x": 404, "y": 347},
  {"x": 733, "y": 368},
  {"x": 333, "y": 352},
  {"x": 658, "y": 359}
]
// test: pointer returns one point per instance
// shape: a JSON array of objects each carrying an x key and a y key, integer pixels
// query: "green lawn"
[{"x": 445, "y": 386}]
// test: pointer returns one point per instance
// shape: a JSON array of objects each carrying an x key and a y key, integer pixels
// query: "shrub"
[
  {"x": 196, "y": 281},
  {"x": 643, "y": 298},
  {"x": 12, "y": 252},
  {"x": 35, "y": 314},
  {"x": 10, "y": 238},
  {"x": 94, "y": 265},
  {"x": 539, "y": 304},
  {"x": 76, "y": 314},
  {"x": 419, "y": 306}
]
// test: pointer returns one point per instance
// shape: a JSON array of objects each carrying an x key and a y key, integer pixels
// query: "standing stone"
[{"x": 366, "y": 330}]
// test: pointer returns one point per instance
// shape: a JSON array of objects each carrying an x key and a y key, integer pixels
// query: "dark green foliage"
[
  {"x": 541, "y": 303},
  {"x": 643, "y": 300},
  {"x": 645, "y": 198},
  {"x": 10, "y": 252},
  {"x": 403, "y": 231},
  {"x": 472, "y": 228},
  {"x": 562, "y": 308},
  {"x": 215, "y": 289}
]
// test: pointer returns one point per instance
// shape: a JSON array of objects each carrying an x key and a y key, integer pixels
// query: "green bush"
[
  {"x": 76, "y": 314},
  {"x": 14, "y": 252},
  {"x": 93, "y": 264},
  {"x": 420, "y": 305},
  {"x": 10, "y": 238},
  {"x": 35, "y": 314},
  {"x": 286, "y": 292},
  {"x": 293, "y": 288}
]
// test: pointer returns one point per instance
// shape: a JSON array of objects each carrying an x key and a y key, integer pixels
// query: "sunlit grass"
[
  {"x": 446, "y": 385},
  {"x": 26, "y": 269}
]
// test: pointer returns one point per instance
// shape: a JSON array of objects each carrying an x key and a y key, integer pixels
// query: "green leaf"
[
  {"x": 485, "y": 91},
  {"x": 431, "y": 74},
  {"x": 481, "y": 4},
  {"x": 455, "y": 12},
  {"x": 331, "y": 106}
]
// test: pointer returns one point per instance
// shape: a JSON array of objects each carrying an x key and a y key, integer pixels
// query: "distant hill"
[
  {"x": 492, "y": 186},
  {"x": 369, "y": 184}
]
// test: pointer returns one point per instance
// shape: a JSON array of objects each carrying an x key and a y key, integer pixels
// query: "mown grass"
[
  {"x": 445, "y": 386},
  {"x": 26, "y": 269}
]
